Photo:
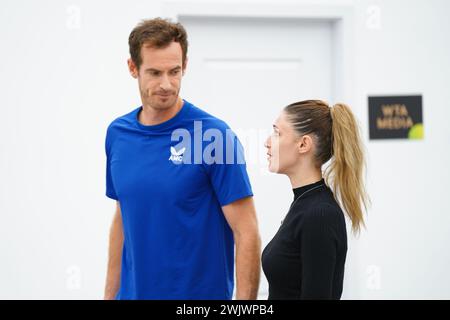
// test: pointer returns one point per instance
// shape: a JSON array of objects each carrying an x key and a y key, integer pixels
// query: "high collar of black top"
[{"x": 301, "y": 190}]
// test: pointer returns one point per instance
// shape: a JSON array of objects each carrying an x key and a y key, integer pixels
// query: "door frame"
[{"x": 341, "y": 17}]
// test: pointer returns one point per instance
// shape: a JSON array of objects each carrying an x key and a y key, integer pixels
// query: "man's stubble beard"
[{"x": 153, "y": 102}]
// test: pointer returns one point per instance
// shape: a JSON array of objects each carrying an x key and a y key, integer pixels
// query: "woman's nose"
[{"x": 267, "y": 143}]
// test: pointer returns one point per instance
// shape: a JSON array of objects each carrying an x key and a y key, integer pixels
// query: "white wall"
[
  {"x": 64, "y": 79},
  {"x": 409, "y": 224}
]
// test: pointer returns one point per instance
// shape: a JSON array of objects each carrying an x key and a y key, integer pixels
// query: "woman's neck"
[{"x": 302, "y": 178}]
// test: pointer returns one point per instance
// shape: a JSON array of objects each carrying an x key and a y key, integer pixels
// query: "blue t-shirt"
[{"x": 171, "y": 180}]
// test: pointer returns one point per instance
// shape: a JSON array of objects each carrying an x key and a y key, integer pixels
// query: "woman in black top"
[{"x": 306, "y": 257}]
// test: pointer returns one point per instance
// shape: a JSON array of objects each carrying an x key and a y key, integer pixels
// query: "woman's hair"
[{"x": 336, "y": 136}]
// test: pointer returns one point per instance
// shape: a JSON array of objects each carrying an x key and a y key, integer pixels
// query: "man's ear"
[
  {"x": 305, "y": 144},
  {"x": 184, "y": 66},
  {"x": 132, "y": 68}
]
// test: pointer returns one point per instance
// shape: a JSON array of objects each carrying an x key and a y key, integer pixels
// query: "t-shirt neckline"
[{"x": 162, "y": 125}]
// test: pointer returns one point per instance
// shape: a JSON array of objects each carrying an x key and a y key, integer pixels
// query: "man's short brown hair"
[{"x": 157, "y": 33}]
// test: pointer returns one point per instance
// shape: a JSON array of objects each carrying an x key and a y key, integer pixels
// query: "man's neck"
[{"x": 150, "y": 116}]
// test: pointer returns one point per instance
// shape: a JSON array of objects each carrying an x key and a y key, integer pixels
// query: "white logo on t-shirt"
[{"x": 176, "y": 156}]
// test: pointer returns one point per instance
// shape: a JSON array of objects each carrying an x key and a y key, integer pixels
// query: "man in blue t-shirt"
[{"x": 179, "y": 178}]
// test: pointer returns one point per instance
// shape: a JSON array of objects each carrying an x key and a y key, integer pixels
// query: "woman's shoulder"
[{"x": 324, "y": 213}]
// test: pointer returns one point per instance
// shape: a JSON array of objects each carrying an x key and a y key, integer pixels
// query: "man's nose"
[{"x": 165, "y": 83}]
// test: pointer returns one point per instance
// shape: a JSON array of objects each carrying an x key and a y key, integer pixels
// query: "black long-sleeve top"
[{"x": 306, "y": 257}]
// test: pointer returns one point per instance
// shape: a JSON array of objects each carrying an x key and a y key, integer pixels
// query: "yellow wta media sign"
[{"x": 395, "y": 117}]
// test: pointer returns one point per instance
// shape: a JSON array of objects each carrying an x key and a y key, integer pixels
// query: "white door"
[{"x": 245, "y": 71}]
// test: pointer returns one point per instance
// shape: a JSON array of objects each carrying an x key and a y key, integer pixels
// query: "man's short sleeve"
[
  {"x": 229, "y": 177},
  {"x": 110, "y": 190}
]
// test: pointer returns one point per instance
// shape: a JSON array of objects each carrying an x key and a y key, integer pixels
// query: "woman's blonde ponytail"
[{"x": 345, "y": 174}]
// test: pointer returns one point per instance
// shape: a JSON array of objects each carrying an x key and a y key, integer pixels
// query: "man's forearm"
[
  {"x": 248, "y": 249},
  {"x": 112, "y": 282},
  {"x": 115, "y": 258}
]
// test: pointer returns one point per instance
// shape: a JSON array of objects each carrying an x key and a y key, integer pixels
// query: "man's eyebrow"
[{"x": 156, "y": 70}]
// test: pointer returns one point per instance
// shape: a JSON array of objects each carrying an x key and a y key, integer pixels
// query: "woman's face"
[{"x": 282, "y": 146}]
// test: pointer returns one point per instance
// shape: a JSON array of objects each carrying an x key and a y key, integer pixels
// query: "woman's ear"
[{"x": 305, "y": 144}]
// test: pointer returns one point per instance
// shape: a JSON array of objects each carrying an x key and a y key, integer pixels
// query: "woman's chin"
[{"x": 273, "y": 168}]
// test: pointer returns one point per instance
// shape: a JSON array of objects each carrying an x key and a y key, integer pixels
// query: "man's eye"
[{"x": 175, "y": 72}]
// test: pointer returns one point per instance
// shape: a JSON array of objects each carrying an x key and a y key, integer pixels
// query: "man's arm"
[
  {"x": 241, "y": 216},
  {"x": 115, "y": 256}
]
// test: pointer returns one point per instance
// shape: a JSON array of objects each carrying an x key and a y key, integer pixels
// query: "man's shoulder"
[
  {"x": 208, "y": 120},
  {"x": 123, "y": 120}
]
